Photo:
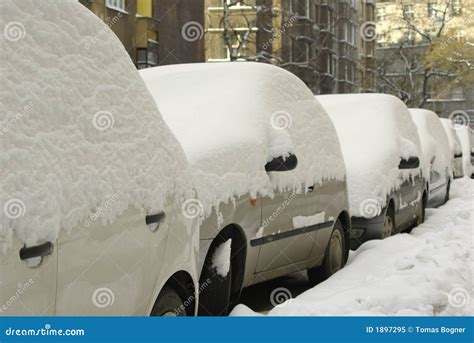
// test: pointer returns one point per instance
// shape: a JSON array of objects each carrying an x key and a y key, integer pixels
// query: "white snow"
[
  {"x": 434, "y": 142},
  {"x": 375, "y": 131},
  {"x": 78, "y": 124},
  {"x": 221, "y": 258},
  {"x": 454, "y": 143},
  {"x": 305, "y": 221},
  {"x": 428, "y": 272},
  {"x": 465, "y": 137},
  {"x": 232, "y": 118}
]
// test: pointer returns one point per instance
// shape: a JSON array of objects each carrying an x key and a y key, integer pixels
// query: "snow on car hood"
[
  {"x": 232, "y": 118},
  {"x": 434, "y": 142},
  {"x": 375, "y": 131},
  {"x": 78, "y": 125}
]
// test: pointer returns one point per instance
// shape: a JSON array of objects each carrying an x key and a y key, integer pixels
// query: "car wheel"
[
  {"x": 214, "y": 299},
  {"x": 169, "y": 304},
  {"x": 388, "y": 223},
  {"x": 448, "y": 189},
  {"x": 421, "y": 214},
  {"x": 334, "y": 259}
]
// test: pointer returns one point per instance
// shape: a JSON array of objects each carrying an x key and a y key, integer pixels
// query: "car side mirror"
[
  {"x": 457, "y": 155},
  {"x": 410, "y": 163},
  {"x": 281, "y": 163}
]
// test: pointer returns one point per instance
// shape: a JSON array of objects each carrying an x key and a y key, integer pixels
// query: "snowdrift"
[
  {"x": 375, "y": 131},
  {"x": 78, "y": 125},
  {"x": 233, "y": 118},
  {"x": 426, "y": 273}
]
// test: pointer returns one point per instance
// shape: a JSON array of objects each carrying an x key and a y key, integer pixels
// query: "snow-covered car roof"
[
  {"x": 434, "y": 141},
  {"x": 375, "y": 131},
  {"x": 78, "y": 126},
  {"x": 232, "y": 118},
  {"x": 454, "y": 143}
]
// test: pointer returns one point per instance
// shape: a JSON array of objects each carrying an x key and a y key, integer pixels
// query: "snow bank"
[
  {"x": 428, "y": 272},
  {"x": 78, "y": 126},
  {"x": 464, "y": 134},
  {"x": 375, "y": 131},
  {"x": 434, "y": 142},
  {"x": 232, "y": 118}
]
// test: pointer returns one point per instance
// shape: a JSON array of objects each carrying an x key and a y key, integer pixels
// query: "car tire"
[
  {"x": 169, "y": 304},
  {"x": 214, "y": 299},
  {"x": 334, "y": 259},
  {"x": 421, "y": 214},
  {"x": 388, "y": 223},
  {"x": 448, "y": 190}
]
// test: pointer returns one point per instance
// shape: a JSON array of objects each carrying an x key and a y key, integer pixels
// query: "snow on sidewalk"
[{"x": 428, "y": 272}]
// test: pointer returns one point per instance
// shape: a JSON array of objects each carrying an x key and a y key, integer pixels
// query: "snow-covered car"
[
  {"x": 436, "y": 155},
  {"x": 268, "y": 172},
  {"x": 464, "y": 134},
  {"x": 381, "y": 149},
  {"x": 89, "y": 225},
  {"x": 455, "y": 147}
]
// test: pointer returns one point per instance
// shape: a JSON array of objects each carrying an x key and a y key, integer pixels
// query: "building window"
[
  {"x": 457, "y": 8},
  {"x": 381, "y": 14},
  {"x": 457, "y": 93},
  {"x": 408, "y": 12},
  {"x": 432, "y": 10},
  {"x": 116, "y": 4},
  {"x": 146, "y": 58},
  {"x": 331, "y": 64}
]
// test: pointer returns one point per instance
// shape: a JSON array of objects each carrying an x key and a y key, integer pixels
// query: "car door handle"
[
  {"x": 154, "y": 219},
  {"x": 310, "y": 188},
  {"x": 36, "y": 251}
]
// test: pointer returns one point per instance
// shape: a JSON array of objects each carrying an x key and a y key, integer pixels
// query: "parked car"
[
  {"x": 269, "y": 174},
  {"x": 464, "y": 134},
  {"x": 455, "y": 147},
  {"x": 381, "y": 149},
  {"x": 436, "y": 155},
  {"x": 89, "y": 225}
]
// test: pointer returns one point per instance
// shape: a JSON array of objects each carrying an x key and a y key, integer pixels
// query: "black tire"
[
  {"x": 448, "y": 190},
  {"x": 169, "y": 303},
  {"x": 421, "y": 215},
  {"x": 389, "y": 227},
  {"x": 334, "y": 259},
  {"x": 214, "y": 300}
]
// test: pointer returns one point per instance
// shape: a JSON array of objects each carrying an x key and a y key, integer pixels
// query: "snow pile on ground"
[
  {"x": 428, "y": 272},
  {"x": 434, "y": 142},
  {"x": 221, "y": 258},
  {"x": 78, "y": 126},
  {"x": 233, "y": 118},
  {"x": 464, "y": 135},
  {"x": 375, "y": 131}
]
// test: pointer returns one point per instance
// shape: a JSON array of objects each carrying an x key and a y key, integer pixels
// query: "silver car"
[{"x": 292, "y": 210}]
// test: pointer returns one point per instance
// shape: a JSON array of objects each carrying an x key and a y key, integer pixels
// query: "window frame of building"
[
  {"x": 117, "y": 5},
  {"x": 408, "y": 11}
]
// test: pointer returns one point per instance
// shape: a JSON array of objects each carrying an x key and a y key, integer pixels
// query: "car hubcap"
[
  {"x": 387, "y": 227},
  {"x": 336, "y": 251}
]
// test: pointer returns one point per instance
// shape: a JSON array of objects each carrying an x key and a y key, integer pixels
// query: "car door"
[
  {"x": 28, "y": 286},
  {"x": 287, "y": 235},
  {"x": 111, "y": 269}
]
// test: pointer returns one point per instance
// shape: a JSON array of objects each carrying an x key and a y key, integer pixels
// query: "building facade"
[
  {"x": 136, "y": 25},
  {"x": 318, "y": 40},
  {"x": 408, "y": 34}
]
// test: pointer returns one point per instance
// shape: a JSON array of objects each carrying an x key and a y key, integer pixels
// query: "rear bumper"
[{"x": 364, "y": 229}]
